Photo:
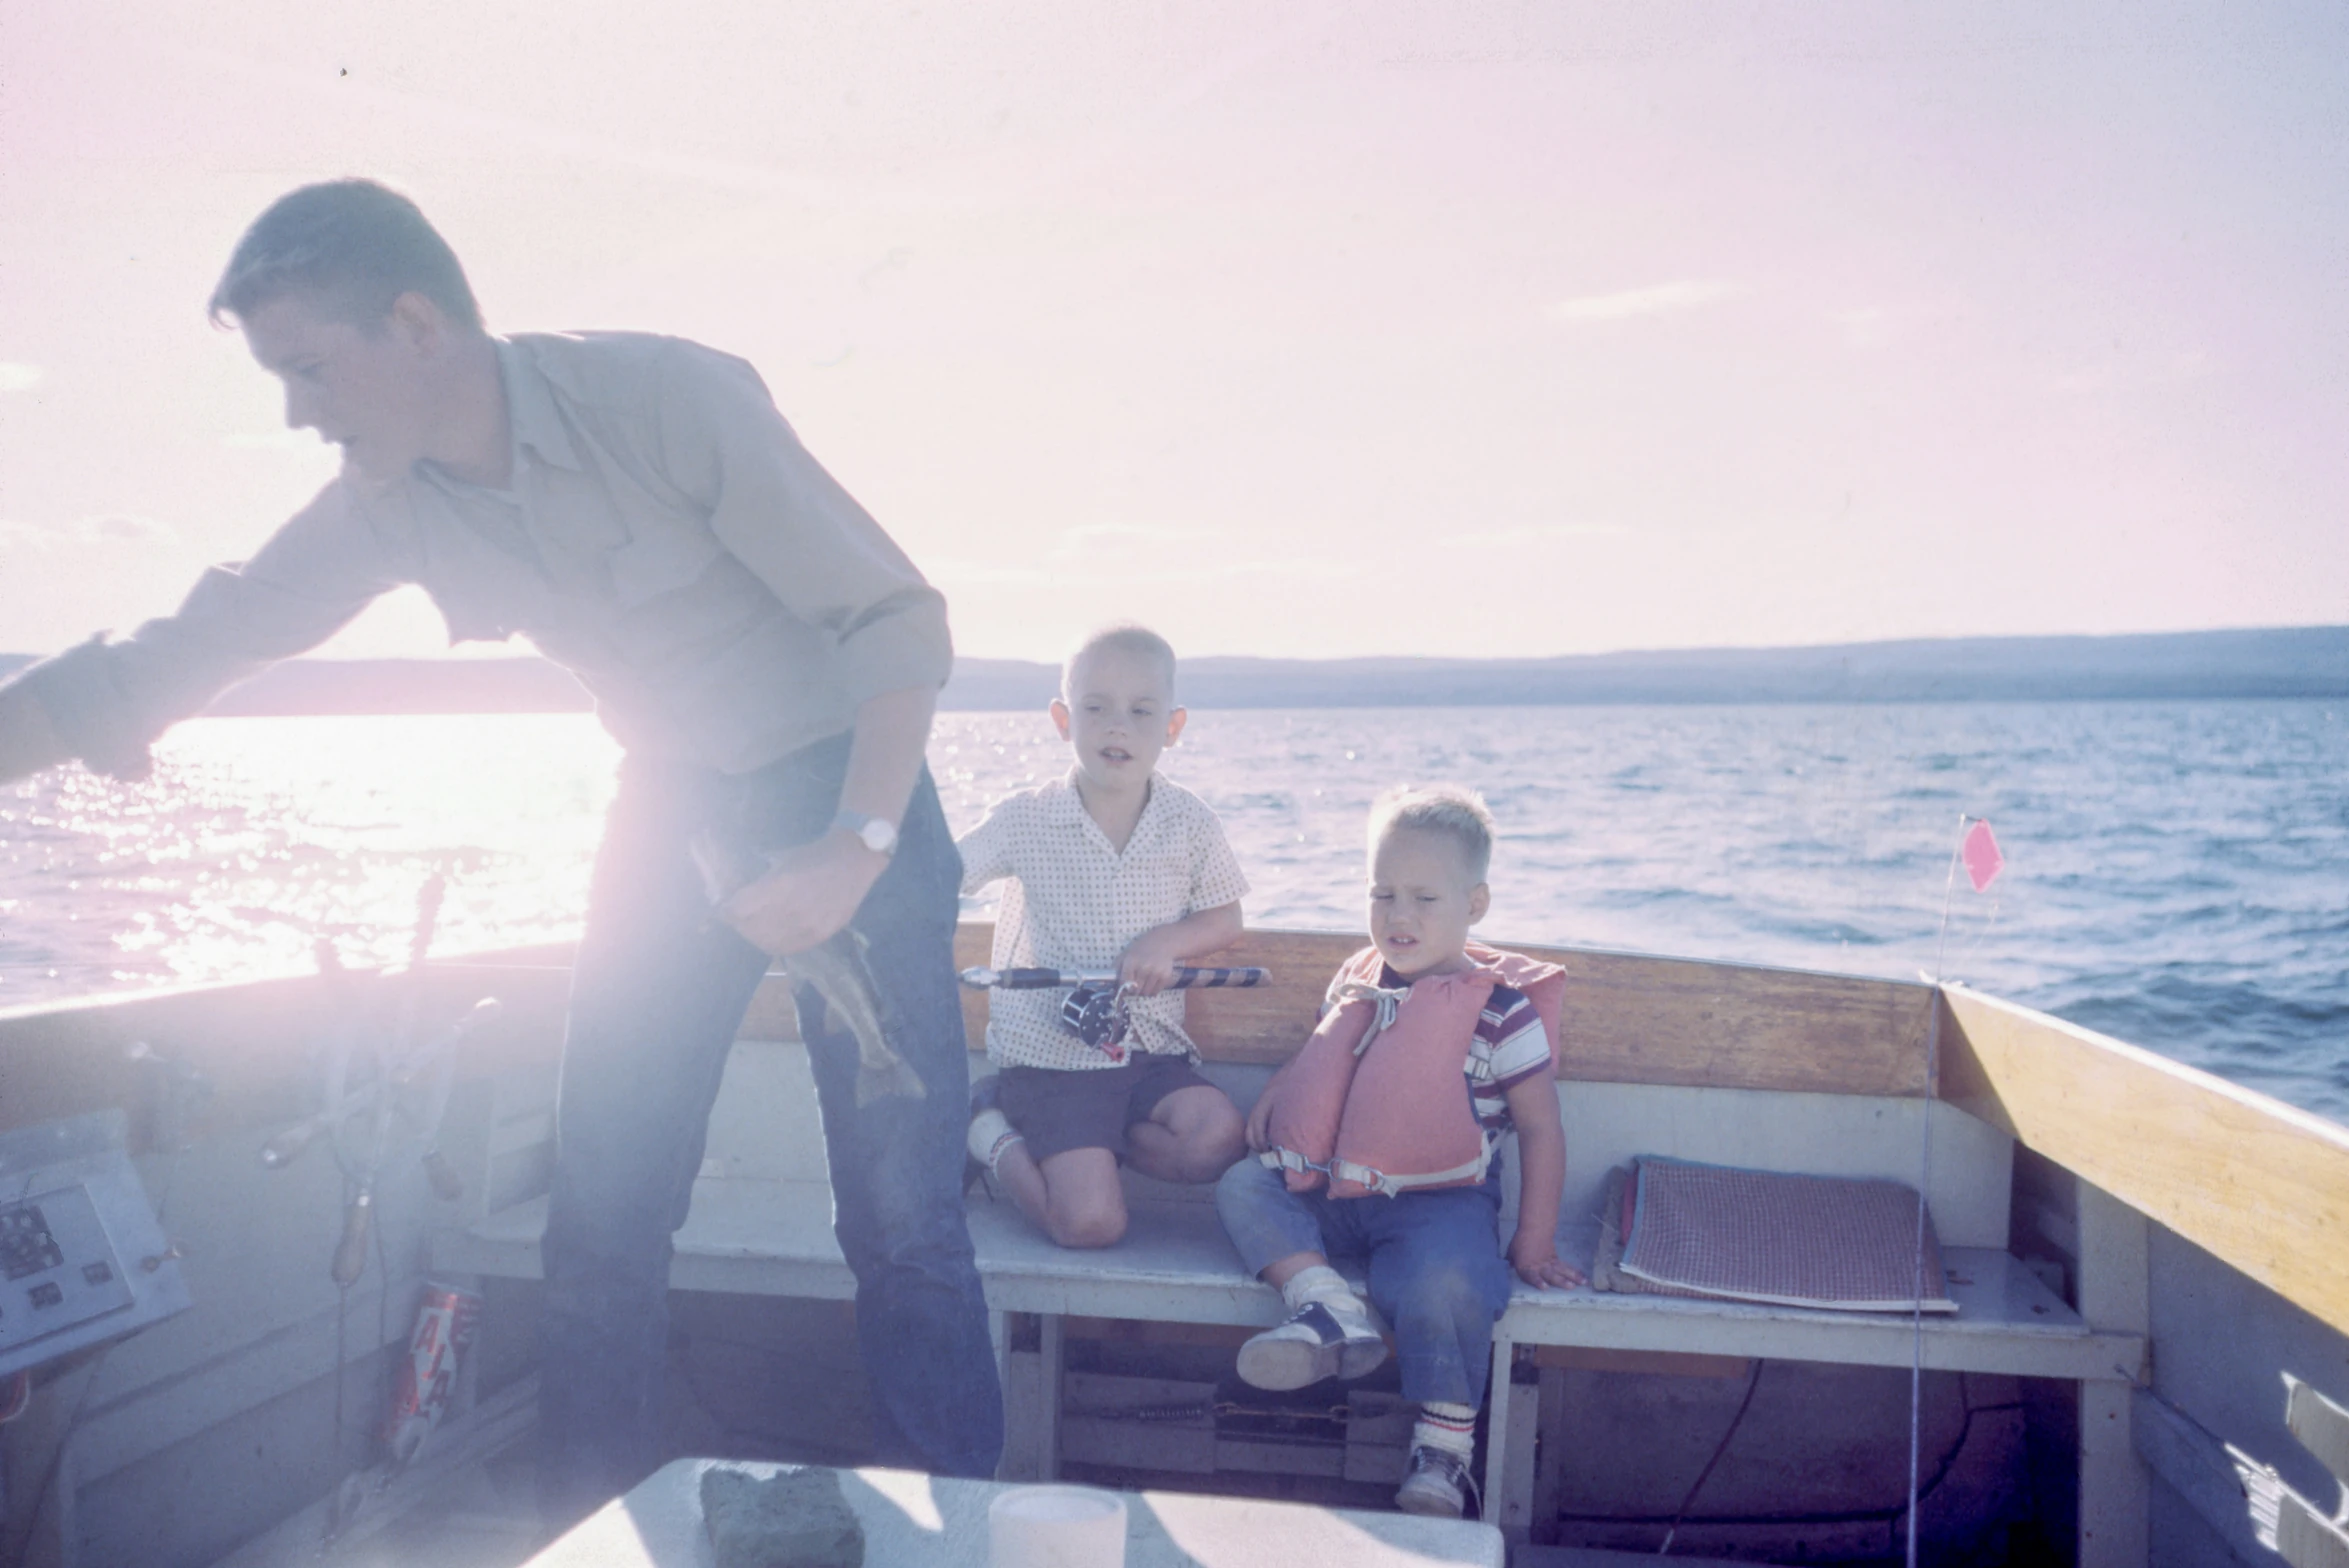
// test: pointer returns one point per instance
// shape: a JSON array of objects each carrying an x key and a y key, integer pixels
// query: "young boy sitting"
[
  {"x": 1113, "y": 869},
  {"x": 1375, "y": 1142}
]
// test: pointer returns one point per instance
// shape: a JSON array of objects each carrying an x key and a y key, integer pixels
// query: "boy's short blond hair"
[
  {"x": 1125, "y": 637},
  {"x": 1458, "y": 814}
]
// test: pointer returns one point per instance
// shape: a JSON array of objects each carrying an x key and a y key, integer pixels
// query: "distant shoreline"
[{"x": 2298, "y": 662}]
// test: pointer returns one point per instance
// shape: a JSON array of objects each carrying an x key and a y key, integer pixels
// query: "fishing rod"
[
  {"x": 1186, "y": 978},
  {"x": 1095, "y": 1008}
]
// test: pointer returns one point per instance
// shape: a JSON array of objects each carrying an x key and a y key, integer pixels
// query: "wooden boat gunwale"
[{"x": 2261, "y": 1188}]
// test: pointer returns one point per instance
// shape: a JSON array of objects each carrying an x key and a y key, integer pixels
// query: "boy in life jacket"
[
  {"x": 1114, "y": 868},
  {"x": 1375, "y": 1143}
]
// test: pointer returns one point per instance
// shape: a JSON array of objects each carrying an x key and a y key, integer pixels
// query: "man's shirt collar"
[{"x": 530, "y": 409}]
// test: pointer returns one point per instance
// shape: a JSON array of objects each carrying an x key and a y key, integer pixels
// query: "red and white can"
[{"x": 445, "y": 1321}]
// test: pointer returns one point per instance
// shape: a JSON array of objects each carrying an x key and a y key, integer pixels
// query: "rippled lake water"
[{"x": 2178, "y": 873}]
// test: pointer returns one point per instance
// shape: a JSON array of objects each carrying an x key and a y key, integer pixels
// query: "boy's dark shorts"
[{"x": 1057, "y": 1109}]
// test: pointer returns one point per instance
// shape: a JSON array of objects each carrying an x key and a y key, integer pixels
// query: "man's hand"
[
  {"x": 812, "y": 892},
  {"x": 1536, "y": 1260}
]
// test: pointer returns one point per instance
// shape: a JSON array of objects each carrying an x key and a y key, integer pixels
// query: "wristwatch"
[{"x": 876, "y": 835}]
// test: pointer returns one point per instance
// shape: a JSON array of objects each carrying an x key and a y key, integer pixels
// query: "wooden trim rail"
[
  {"x": 1629, "y": 1019},
  {"x": 2263, "y": 1187}
]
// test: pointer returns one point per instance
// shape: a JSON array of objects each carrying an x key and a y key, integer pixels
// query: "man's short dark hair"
[{"x": 355, "y": 245}]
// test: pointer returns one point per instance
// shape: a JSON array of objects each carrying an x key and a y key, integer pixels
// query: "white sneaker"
[
  {"x": 1438, "y": 1484},
  {"x": 1321, "y": 1339}
]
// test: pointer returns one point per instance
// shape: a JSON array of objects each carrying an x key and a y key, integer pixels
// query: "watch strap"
[{"x": 876, "y": 833}]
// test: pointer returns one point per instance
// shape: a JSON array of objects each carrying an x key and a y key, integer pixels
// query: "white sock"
[
  {"x": 1445, "y": 1426},
  {"x": 990, "y": 1135},
  {"x": 1323, "y": 1284}
]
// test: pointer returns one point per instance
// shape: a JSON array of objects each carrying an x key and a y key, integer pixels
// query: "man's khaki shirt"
[{"x": 666, "y": 538}]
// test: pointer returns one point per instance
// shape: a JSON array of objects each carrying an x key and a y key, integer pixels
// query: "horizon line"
[{"x": 450, "y": 656}]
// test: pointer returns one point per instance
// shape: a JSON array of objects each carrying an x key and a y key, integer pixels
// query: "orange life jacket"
[{"x": 1377, "y": 1101}]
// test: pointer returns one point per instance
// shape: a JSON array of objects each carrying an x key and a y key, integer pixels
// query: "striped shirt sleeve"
[
  {"x": 1512, "y": 1040},
  {"x": 1510, "y": 1046}
]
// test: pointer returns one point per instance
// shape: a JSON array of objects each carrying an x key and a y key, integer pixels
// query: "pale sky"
[{"x": 1291, "y": 330}]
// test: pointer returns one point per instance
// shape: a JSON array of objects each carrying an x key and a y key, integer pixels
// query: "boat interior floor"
[{"x": 469, "y": 1499}]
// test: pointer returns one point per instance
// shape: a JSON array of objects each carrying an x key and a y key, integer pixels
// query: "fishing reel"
[{"x": 1095, "y": 1012}]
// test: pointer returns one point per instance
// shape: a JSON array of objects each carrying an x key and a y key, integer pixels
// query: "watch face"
[{"x": 875, "y": 833}]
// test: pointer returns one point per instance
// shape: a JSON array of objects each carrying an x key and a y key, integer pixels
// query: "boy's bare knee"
[
  {"x": 1084, "y": 1206},
  {"x": 1214, "y": 1149},
  {"x": 1090, "y": 1227},
  {"x": 1210, "y": 1137},
  {"x": 1087, "y": 1213}
]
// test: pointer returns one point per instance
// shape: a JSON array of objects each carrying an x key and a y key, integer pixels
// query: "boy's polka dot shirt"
[{"x": 1075, "y": 903}]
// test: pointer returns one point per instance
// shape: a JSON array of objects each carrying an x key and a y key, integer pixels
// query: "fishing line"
[
  {"x": 1924, "y": 1182},
  {"x": 342, "y": 1319}
]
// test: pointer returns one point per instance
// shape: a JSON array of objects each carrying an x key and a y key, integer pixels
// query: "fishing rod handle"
[{"x": 1191, "y": 979}]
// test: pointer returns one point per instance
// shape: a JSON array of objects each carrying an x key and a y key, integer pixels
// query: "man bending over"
[{"x": 638, "y": 509}]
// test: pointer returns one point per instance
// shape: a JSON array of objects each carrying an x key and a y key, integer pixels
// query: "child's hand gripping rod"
[
  {"x": 1095, "y": 1008},
  {"x": 1186, "y": 978}
]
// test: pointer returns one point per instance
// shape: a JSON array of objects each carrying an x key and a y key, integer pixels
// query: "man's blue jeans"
[
  {"x": 1434, "y": 1260},
  {"x": 657, "y": 993}
]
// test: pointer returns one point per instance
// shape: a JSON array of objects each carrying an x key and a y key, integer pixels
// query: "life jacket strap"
[
  {"x": 1280, "y": 1159},
  {"x": 1389, "y": 1002},
  {"x": 1387, "y": 1186}
]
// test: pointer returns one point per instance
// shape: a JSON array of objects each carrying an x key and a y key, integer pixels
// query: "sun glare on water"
[{"x": 256, "y": 838}]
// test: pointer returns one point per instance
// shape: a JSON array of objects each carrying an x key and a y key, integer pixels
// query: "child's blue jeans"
[{"x": 1434, "y": 1258}]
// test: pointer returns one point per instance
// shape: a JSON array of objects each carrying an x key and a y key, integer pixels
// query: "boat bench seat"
[
  {"x": 760, "y": 1224},
  {"x": 751, "y": 1236}
]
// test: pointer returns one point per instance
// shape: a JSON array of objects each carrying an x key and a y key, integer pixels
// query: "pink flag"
[{"x": 1980, "y": 853}]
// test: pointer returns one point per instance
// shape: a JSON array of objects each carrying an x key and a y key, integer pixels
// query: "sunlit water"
[{"x": 2178, "y": 872}]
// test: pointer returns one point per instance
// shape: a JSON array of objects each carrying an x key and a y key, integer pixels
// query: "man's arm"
[
  {"x": 28, "y": 741},
  {"x": 104, "y": 700},
  {"x": 885, "y": 757},
  {"x": 777, "y": 511},
  {"x": 816, "y": 887}
]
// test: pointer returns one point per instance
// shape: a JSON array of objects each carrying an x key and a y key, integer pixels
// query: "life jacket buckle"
[{"x": 1283, "y": 1159}]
